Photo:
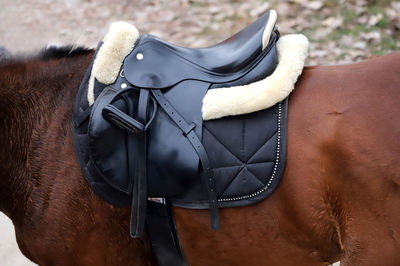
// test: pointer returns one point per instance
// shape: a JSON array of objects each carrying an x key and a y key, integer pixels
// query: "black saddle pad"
[{"x": 247, "y": 154}]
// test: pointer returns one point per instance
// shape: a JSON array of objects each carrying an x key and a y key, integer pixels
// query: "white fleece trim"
[
  {"x": 269, "y": 28},
  {"x": 292, "y": 52},
  {"x": 117, "y": 44}
]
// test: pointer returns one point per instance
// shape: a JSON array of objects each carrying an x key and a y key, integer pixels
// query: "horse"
[{"x": 338, "y": 199}]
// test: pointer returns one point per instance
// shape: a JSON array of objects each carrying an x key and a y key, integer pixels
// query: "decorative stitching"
[
  {"x": 278, "y": 144},
  {"x": 232, "y": 153},
  {"x": 233, "y": 166},
  {"x": 241, "y": 161},
  {"x": 266, "y": 142},
  {"x": 249, "y": 173},
  {"x": 233, "y": 179},
  {"x": 243, "y": 136},
  {"x": 220, "y": 142},
  {"x": 263, "y": 182}
]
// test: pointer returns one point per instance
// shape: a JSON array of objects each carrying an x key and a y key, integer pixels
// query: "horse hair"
[
  {"x": 57, "y": 52},
  {"x": 48, "y": 53}
]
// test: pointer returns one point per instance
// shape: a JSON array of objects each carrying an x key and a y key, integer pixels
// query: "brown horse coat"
[{"x": 339, "y": 197}]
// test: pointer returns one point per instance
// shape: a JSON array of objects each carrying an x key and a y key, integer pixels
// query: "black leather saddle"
[
  {"x": 144, "y": 136},
  {"x": 165, "y": 64}
]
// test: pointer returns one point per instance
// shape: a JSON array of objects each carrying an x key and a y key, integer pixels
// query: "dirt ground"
[{"x": 340, "y": 32}]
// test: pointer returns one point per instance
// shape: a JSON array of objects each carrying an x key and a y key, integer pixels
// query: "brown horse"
[{"x": 339, "y": 198}]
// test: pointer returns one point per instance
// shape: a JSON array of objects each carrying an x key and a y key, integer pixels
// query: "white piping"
[{"x": 269, "y": 28}]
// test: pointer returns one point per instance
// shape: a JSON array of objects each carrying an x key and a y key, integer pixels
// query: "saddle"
[{"x": 139, "y": 131}]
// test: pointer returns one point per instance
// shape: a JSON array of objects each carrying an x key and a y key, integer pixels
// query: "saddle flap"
[
  {"x": 108, "y": 144},
  {"x": 112, "y": 141}
]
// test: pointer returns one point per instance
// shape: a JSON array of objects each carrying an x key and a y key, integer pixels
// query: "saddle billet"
[{"x": 144, "y": 135}]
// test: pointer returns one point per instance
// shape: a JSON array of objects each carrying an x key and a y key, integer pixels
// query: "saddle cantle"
[{"x": 139, "y": 131}]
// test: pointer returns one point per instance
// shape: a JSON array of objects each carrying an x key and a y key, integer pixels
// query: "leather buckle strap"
[
  {"x": 139, "y": 196},
  {"x": 137, "y": 150},
  {"x": 188, "y": 131}
]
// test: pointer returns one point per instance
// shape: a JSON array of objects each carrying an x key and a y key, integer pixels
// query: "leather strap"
[
  {"x": 124, "y": 121},
  {"x": 188, "y": 131},
  {"x": 139, "y": 196},
  {"x": 160, "y": 223}
]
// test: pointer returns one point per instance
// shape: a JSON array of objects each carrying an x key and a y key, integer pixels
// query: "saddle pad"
[
  {"x": 235, "y": 100},
  {"x": 247, "y": 154}
]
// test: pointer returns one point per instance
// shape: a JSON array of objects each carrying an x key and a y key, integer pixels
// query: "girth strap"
[
  {"x": 163, "y": 235},
  {"x": 139, "y": 196},
  {"x": 188, "y": 131}
]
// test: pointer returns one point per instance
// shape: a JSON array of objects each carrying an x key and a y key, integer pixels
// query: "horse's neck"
[{"x": 35, "y": 97}]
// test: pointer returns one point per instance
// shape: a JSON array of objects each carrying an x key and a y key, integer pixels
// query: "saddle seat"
[
  {"x": 157, "y": 64},
  {"x": 230, "y": 55}
]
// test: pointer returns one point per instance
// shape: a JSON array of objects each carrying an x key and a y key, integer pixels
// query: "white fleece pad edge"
[
  {"x": 117, "y": 44},
  {"x": 256, "y": 96}
]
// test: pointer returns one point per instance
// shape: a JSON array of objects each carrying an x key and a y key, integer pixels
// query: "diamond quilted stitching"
[
  {"x": 235, "y": 145},
  {"x": 233, "y": 141},
  {"x": 261, "y": 155},
  {"x": 225, "y": 177},
  {"x": 252, "y": 140},
  {"x": 219, "y": 154},
  {"x": 262, "y": 171},
  {"x": 244, "y": 181}
]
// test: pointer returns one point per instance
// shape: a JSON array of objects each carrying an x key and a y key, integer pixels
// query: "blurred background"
[{"x": 339, "y": 31}]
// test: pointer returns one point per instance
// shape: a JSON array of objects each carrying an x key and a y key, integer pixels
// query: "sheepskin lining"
[
  {"x": 256, "y": 96},
  {"x": 217, "y": 103},
  {"x": 117, "y": 44}
]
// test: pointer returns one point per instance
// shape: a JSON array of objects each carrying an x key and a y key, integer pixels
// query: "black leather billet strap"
[
  {"x": 188, "y": 131},
  {"x": 160, "y": 224},
  {"x": 139, "y": 196}
]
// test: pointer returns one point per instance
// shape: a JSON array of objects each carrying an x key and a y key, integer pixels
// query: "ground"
[
  {"x": 9, "y": 252},
  {"x": 339, "y": 31}
]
